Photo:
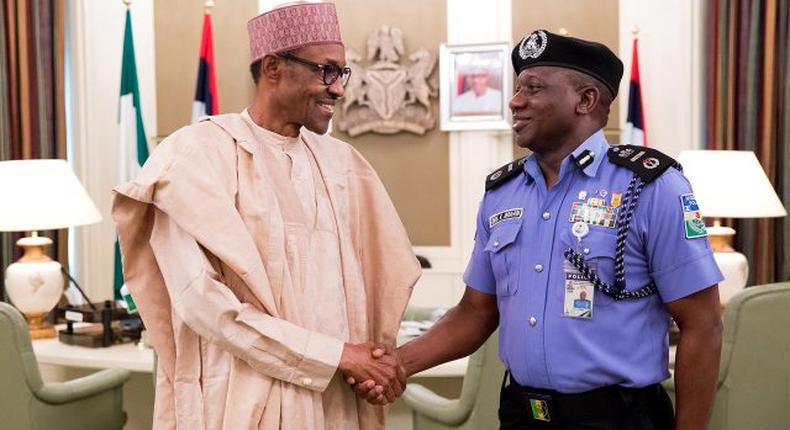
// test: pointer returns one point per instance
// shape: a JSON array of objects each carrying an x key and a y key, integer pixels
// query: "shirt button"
[
  {"x": 307, "y": 381},
  {"x": 586, "y": 251},
  {"x": 538, "y": 268},
  {"x": 546, "y": 216},
  {"x": 496, "y": 244},
  {"x": 532, "y": 321}
]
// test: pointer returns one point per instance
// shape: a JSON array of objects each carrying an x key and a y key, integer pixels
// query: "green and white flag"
[{"x": 133, "y": 149}]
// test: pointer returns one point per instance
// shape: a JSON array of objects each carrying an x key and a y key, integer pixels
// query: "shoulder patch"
[
  {"x": 693, "y": 223},
  {"x": 646, "y": 162},
  {"x": 504, "y": 173}
]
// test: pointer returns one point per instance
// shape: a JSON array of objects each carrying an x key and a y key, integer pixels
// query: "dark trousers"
[{"x": 609, "y": 408}]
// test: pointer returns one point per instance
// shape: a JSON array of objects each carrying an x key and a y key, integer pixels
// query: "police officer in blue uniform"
[{"x": 583, "y": 253}]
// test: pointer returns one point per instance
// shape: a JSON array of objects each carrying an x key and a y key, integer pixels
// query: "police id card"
[{"x": 579, "y": 294}]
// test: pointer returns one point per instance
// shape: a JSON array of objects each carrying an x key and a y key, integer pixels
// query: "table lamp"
[
  {"x": 730, "y": 184},
  {"x": 39, "y": 195}
]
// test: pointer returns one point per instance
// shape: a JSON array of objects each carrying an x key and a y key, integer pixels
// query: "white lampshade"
[
  {"x": 43, "y": 195},
  {"x": 730, "y": 184}
]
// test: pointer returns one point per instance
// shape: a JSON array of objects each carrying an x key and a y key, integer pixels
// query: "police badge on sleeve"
[{"x": 694, "y": 224}]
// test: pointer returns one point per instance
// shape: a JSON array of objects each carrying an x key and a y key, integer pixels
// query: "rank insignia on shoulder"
[
  {"x": 504, "y": 173},
  {"x": 584, "y": 159},
  {"x": 646, "y": 162}
]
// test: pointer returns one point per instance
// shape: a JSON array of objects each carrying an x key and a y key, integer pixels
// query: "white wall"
[
  {"x": 670, "y": 50},
  {"x": 95, "y": 45}
]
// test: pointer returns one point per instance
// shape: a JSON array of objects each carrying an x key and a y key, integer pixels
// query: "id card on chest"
[{"x": 579, "y": 297}]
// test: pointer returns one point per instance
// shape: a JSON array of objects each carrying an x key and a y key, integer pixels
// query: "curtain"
[
  {"x": 32, "y": 116},
  {"x": 747, "y": 107}
]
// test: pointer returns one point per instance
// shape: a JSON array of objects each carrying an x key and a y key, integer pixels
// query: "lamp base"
[
  {"x": 721, "y": 238},
  {"x": 735, "y": 268},
  {"x": 733, "y": 265},
  {"x": 34, "y": 284},
  {"x": 38, "y": 327}
]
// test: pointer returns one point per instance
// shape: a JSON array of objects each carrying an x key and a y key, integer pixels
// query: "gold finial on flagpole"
[
  {"x": 563, "y": 31},
  {"x": 209, "y": 5},
  {"x": 127, "y": 3},
  {"x": 635, "y": 31}
]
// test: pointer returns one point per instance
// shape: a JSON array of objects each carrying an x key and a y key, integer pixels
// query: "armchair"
[
  {"x": 753, "y": 390},
  {"x": 479, "y": 401},
  {"x": 91, "y": 402}
]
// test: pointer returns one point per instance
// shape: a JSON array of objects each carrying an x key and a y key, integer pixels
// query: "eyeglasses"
[{"x": 329, "y": 72}]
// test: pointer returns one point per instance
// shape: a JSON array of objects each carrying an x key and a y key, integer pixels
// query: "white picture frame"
[{"x": 475, "y": 86}]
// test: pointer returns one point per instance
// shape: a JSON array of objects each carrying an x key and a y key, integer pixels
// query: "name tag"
[{"x": 507, "y": 214}]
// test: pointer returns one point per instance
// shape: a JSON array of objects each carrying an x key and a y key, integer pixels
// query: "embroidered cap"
[
  {"x": 293, "y": 26},
  {"x": 543, "y": 48}
]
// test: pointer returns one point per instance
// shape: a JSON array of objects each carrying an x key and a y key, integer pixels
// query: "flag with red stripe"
[
  {"x": 206, "y": 102},
  {"x": 635, "y": 132}
]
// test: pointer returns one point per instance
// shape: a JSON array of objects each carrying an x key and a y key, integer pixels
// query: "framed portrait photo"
[{"x": 475, "y": 86}]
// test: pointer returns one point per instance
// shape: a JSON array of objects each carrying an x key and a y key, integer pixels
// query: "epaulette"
[
  {"x": 504, "y": 173},
  {"x": 647, "y": 163}
]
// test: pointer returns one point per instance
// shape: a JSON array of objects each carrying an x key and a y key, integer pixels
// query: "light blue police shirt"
[{"x": 523, "y": 228}]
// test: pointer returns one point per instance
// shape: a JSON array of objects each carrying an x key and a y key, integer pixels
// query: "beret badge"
[{"x": 533, "y": 45}]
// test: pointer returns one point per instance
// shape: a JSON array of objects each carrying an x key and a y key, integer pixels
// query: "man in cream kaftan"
[
  {"x": 267, "y": 260},
  {"x": 257, "y": 316}
]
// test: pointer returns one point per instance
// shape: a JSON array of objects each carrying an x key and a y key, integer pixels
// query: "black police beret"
[{"x": 543, "y": 48}]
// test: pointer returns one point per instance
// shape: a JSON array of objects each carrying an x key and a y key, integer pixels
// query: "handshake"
[{"x": 374, "y": 371}]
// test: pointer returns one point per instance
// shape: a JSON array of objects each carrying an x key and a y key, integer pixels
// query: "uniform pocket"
[
  {"x": 504, "y": 255},
  {"x": 598, "y": 249}
]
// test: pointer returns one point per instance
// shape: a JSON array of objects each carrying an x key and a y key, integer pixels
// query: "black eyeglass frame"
[{"x": 342, "y": 73}]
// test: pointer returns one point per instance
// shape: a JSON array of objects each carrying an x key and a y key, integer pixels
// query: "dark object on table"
[{"x": 112, "y": 324}]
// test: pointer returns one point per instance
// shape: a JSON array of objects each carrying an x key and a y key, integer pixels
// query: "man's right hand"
[
  {"x": 360, "y": 363},
  {"x": 368, "y": 390},
  {"x": 461, "y": 331}
]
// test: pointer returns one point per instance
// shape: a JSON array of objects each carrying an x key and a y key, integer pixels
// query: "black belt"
[{"x": 604, "y": 403}]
